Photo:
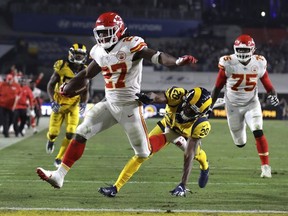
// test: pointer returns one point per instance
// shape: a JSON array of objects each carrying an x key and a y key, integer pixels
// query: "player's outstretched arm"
[
  {"x": 188, "y": 158},
  {"x": 165, "y": 59},
  {"x": 152, "y": 97}
]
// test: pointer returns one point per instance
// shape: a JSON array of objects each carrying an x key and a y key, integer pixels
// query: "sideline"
[{"x": 5, "y": 142}]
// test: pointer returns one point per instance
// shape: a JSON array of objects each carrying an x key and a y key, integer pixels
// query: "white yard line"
[
  {"x": 130, "y": 182},
  {"x": 143, "y": 210}
]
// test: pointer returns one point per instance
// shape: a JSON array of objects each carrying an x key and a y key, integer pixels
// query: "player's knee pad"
[
  {"x": 69, "y": 136},
  {"x": 241, "y": 146},
  {"x": 258, "y": 133}
]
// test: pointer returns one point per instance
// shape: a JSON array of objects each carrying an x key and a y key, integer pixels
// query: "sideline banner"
[{"x": 158, "y": 111}]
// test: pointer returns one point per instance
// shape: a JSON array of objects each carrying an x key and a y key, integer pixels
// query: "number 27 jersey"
[{"x": 122, "y": 76}]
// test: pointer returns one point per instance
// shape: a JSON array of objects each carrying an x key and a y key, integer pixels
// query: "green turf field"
[{"x": 234, "y": 186}]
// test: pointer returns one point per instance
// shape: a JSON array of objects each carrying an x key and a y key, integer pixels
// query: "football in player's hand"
[{"x": 74, "y": 87}]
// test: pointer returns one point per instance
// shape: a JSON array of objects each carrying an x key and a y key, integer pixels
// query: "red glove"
[{"x": 185, "y": 60}]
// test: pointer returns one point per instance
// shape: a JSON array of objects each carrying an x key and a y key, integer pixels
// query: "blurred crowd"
[
  {"x": 248, "y": 13},
  {"x": 208, "y": 50},
  {"x": 163, "y": 9},
  {"x": 20, "y": 103}
]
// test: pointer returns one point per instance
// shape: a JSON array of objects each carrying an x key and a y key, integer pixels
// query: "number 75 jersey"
[
  {"x": 122, "y": 76},
  {"x": 241, "y": 83}
]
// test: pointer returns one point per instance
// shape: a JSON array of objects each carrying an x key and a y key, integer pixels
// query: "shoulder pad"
[
  {"x": 227, "y": 60},
  {"x": 174, "y": 95},
  {"x": 261, "y": 60},
  {"x": 134, "y": 43},
  {"x": 58, "y": 64}
]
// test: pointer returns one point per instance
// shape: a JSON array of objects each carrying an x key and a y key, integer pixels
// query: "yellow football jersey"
[
  {"x": 64, "y": 71},
  {"x": 198, "y": 128}
]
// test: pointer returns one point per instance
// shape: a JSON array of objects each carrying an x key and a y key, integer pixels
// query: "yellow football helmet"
[
  {"x": 77, "y": 54},
  {"x": 196, "y": 103}
]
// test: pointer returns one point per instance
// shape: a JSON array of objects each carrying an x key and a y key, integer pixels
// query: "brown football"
[{"x": 76, "y": 86}]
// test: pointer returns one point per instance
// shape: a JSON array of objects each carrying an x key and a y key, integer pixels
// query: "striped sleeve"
[{"x": 138, "y": 47}]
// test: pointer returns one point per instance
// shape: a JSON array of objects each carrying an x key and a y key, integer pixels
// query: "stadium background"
[{"x": 36, "y": 33}]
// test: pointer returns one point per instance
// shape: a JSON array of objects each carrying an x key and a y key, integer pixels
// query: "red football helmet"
[
  {"x": 244, "y": 47},
  {"x": 109, "y": 27}
]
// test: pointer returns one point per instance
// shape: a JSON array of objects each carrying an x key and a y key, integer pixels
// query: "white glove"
[
  {"x": 273, "y": 100},
  {"x": 219, "y": 102}
]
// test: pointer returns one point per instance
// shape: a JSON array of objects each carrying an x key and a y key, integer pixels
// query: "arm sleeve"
[
  {"x": 267, "y": 82},
  {"x": 221, "y": 79}
]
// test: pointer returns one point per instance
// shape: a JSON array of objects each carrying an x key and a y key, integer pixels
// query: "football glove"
[
  {"x": 185, "y": 60},
  {"x": 82, "y": 108},
  {"x": 55, "y": 106},
  {"x": 144, "y": 98},
  {"x": 180, "y": 190},
  {"x": 273, "y": 100}
]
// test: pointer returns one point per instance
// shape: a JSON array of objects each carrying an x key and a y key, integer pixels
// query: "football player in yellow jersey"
[
  {"x": 65, "y": 108},
  {"x": 181, "y": 142},
  {"x": 185, "y": 116}
]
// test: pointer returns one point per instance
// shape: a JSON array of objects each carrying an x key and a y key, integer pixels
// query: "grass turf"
[{"x": 234, "y": 184}]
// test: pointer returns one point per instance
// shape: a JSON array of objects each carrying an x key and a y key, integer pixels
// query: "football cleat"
[
  {"x": 57, "y": 162},
  {"x": 203, "y": 178},
  {"x": 52, "y": 177},
  {"x": 49, "y": 147},
  {"x": 266, "y": 171},
  {"x": 108, "y": 191}
]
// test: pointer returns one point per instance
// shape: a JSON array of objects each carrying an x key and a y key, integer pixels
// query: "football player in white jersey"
[
  {"x": 239, "y": 73},
  {"x": 119, "y": 58}
]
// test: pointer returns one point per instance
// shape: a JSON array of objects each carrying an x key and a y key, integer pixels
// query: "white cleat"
[
  {"x": 266, "y": 171},
  {"x": 52, "y": 177}
]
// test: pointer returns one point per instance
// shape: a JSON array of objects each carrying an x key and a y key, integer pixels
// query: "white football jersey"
[
  {"x": 241, "y": 85},
  {"x": 122, "y": 76}
]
